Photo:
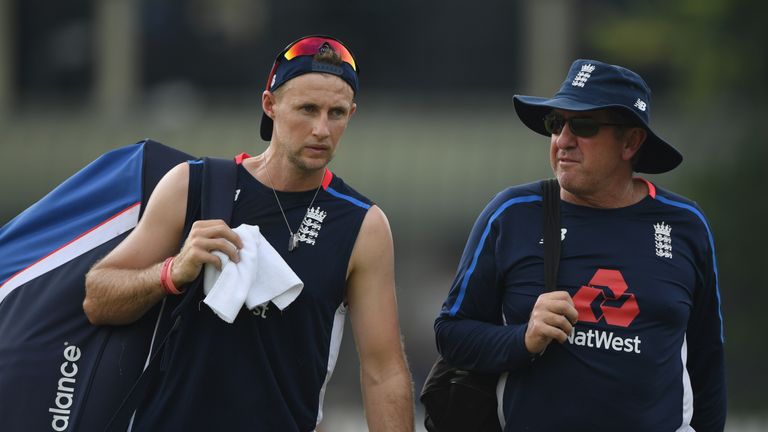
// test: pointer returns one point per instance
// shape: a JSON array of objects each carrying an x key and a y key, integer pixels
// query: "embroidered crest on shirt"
[
  {"x": 663, "y": 238},
  {"x": 310, "y": 226}
]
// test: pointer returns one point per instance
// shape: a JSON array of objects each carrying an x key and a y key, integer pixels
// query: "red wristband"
[{"x": 165, "y": 277}]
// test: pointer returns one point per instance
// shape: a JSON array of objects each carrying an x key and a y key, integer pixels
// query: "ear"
[
  {"x": 353, "y": 109},
  {"x": 268, "y": 101},
  {"x": 633, "y": 139}
]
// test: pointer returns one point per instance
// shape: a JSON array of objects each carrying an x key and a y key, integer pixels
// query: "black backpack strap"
[
  {"x": 217, "y": 185},
  {"x": 551, "y": 204}
]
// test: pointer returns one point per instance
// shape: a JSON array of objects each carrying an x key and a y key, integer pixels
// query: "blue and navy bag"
[{"x": 57, "y": 371}]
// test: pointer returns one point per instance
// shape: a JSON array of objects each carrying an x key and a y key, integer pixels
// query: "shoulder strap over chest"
[
  {"x": 216, "y": 179},
  {"x": 551, "y": 205},
  {"x": 218, "y": 188}
]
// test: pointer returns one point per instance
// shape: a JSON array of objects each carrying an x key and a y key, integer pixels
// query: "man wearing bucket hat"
[
  {"x": 268, "y": 368},
  {"x": 636, "y": 317}
]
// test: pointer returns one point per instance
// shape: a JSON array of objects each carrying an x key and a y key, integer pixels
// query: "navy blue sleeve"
[
  {"x": 470, "y": 330},
  {"x": 706, "y": 364}
]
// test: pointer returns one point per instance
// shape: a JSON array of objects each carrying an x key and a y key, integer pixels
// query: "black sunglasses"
[{"x": 580, "y": 126}]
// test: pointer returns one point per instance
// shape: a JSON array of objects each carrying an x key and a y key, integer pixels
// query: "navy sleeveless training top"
[{"x": 268, "y": 370}]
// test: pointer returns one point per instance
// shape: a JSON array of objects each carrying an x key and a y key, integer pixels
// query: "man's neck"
[
  {"x": 624, "y": 195},
  {"x": 280, "y": 174}
]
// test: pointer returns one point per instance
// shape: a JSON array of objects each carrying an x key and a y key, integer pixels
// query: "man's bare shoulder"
[
  {"x": 375, "y": 222},
  {"x": 375, "y": 233}
]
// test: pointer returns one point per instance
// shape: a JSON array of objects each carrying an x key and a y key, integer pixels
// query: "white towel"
[{"x": 261, "y": 276}]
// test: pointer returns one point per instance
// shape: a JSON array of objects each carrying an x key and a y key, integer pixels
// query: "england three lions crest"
[
  {"x": 663, "y": 239},
  {"x": 311, "y": 225}
]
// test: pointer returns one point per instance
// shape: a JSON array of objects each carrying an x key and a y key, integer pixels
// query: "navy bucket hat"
[{"x": 592, "y": 85}]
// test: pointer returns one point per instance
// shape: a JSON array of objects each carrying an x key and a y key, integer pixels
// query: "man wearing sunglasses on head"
[
  {"x": 268, "y": 369},
  {"x": 632, "y": 337}
]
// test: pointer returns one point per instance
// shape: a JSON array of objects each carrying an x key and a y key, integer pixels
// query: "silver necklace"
[{"x": 293, "y": 238}]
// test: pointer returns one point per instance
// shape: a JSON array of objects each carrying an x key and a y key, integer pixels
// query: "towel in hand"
[{"x": 261, "y": 276}]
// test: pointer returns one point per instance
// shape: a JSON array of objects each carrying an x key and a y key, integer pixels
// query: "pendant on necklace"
[{"x": 293, "y": 242}]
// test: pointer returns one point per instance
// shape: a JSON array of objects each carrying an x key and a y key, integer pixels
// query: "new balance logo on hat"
[{"x": 639, "y": 104}]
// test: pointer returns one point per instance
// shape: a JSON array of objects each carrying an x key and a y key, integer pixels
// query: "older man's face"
[{"x": 589, "y": 166}]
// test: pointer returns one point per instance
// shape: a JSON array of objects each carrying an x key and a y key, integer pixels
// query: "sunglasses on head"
[
  {"x": 312, "y": 45},
  {"x": 580, "y": 126}
]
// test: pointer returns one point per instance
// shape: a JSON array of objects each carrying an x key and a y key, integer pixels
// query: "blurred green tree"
[{"x": 712, "y": 49}]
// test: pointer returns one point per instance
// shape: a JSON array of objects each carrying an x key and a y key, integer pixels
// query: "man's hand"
[
  {"x": 205, "y": 237},
  {"x": 552, "y": 318},
  {"x": 124, "y": 285}
]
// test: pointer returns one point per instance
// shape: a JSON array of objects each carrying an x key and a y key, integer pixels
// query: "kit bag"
[
  {"x": 457, "y": 400},
  {"x": 57, "y": 371}
]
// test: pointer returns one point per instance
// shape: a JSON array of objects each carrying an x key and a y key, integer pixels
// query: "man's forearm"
[
  {"x": 121, "y": 296},
  {"x": 389, "y": 401},
  {"x": 480, "y": 346}
]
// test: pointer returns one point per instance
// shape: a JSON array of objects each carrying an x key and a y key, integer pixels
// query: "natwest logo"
[{"x": 606, "y": 298}]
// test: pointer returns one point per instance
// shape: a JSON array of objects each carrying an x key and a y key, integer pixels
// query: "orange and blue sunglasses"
[
  {"x": 309, "y": 46},
  {"x": 312, "y": 45}
]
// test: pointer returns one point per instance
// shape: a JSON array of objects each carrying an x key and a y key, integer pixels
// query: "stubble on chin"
[
  {"x": 567, "y": 181},
  {"x": 309, "y": 165}
]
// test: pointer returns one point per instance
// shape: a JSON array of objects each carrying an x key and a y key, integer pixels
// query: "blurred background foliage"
[
  {"x": 435, "y": 135},
  {"x": 709, "y": 47}
]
